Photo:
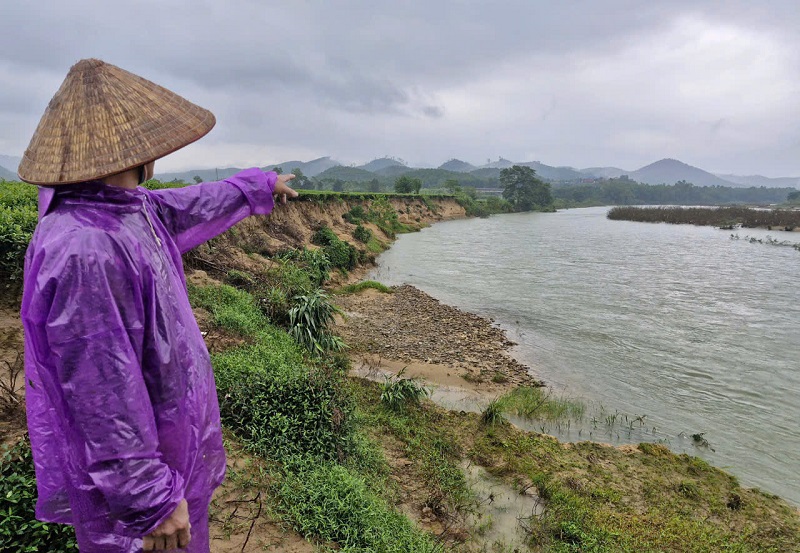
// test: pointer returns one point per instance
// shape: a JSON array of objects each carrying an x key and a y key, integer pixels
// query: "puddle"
[{"x": 503, "y": 511}]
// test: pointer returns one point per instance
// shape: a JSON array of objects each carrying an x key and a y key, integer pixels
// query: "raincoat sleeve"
[
  {"x": 94, "y": 333},
  {"x": 197, "y": 213}
]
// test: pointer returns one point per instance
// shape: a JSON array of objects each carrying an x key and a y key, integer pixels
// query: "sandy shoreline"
[{"x": 433, "y": 341}]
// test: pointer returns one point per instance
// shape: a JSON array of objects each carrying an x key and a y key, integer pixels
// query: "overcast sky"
[{"x": 580, "y": 83}]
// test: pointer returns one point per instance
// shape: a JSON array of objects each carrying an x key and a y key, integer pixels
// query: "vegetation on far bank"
[
  {"x": 723, "y": 217},
  {"x": 624, "y": 191}
]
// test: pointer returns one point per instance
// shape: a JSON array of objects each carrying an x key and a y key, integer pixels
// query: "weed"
[
  {"x": 493, "y": 414},
  {"x": 310, "y": 321},
  {"x": 11, "y": 386},
  {"x": 364, "y": 285},
  {"x": 537, "y": 403},
  {"x": 398, "y": 393}
]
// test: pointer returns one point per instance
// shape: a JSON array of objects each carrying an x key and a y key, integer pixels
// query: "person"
[{"x": 122, "y": 408}]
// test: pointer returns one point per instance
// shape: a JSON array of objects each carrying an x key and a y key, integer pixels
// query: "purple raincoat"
[{"x": 122, "y": 407}]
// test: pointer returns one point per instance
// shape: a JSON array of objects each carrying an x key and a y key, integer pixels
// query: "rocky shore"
[{"x": 410, "y": 327}]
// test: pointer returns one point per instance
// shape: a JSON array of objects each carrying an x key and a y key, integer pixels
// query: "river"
[{"x": 664, "y": 331}]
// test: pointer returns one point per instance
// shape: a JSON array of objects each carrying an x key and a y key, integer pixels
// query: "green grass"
[
  {"x": 332, "y": 503},
  {"x": 363, "y": 285},
  {"x": 434, "y": 451},
  {"x": 538, "y": 403},
  {"x": 327, "y": 474}
]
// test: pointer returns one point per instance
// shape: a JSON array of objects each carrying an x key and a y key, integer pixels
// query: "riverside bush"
[
  {"x": 362, "y": 234},
  {"x": 714, "y": 216},
  {"x": 19, "y": 529},
  {"x": 341, "y": 254}
]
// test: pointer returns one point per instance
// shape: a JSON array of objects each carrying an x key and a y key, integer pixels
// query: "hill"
[
  {"x": 457, "y": 166},
  {"x": 604, "y": 172},
  {"x": 548, "y": 172},
  {"x": 351, "y": 174},
  {"x": 10, "y": 163},
  {"x": 7, "y": 174},
  {"x": 381, "y": 163},
  {"x": 501, "y": 163},
  {"x": 309, "y": 168},
  {"x": 759, "y": 180},
  {"x": 670, "y": 171}
]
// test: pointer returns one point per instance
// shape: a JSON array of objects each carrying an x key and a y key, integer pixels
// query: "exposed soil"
[
  {"x": 12, "y": 377},
  {"x": 436, "y": 341},
  {"x": 240, "y": 519}
]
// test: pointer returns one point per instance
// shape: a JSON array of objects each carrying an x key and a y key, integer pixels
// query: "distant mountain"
[
  {"x": 604, "y": 172},
  {"x": 486, "y": 173},
  {"x": 501, "y": 163},
  {"x": 458, "y": 166},
  {"x": 309, "y": 168},
  {"x": 670, "y": 171},
  {"x": 206, "y": 175},
  {"x": 11, "y": 163},
  {"x": 393, "y": 171},
  {"x": 7, "y": 174},
  {"x": 548, "y": 172},
  {"x": 381, "y": 163},
  {"x": 353, "y": 174},
  {"x": 759, "y": 180}
]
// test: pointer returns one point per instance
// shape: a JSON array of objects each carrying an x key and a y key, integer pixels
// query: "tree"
[
  {"x": 524, "y": 190},
  {"x": 374, "y": 185},
  {"x": 794, "y": 197},
  {"x": 406, "y": 185},
  {"x": 452, "y": 186},
  {"x": 300, "y": 180},
  {"x": 198, "y": 179}
]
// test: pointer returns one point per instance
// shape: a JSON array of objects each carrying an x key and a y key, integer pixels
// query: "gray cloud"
[{"x": 611, "y": 82}]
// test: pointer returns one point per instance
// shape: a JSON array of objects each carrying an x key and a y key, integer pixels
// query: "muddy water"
[{"x": 664, "y": 331}]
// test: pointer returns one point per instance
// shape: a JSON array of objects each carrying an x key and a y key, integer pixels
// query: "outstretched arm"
[{"x": 197, "y": 213}]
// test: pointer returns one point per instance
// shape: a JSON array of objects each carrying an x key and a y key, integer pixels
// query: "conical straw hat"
[{"x": 104, "y": 120}]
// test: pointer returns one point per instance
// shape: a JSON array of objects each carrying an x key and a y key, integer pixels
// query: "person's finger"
[
  {"x": 283, "y": 199},
  {"x": 171, "y": 541},
  {"x": 184, "y": 537},
  {"x": 290, "y": 176},
  {"x": 147, "y": 543}
]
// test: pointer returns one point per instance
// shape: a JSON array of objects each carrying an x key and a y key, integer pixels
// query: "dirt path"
[{"x": 437, "y": 342}]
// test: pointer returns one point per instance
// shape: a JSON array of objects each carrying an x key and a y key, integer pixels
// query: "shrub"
[
  {"x": 17, "y": 223},
  {"x": 362, "y": 234},
  {"x": 356, "y": 215},
  {"x": 341, "y": 254},
  {"x": 19, "y": 529},
  {"x": 315, "y": 263}
]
